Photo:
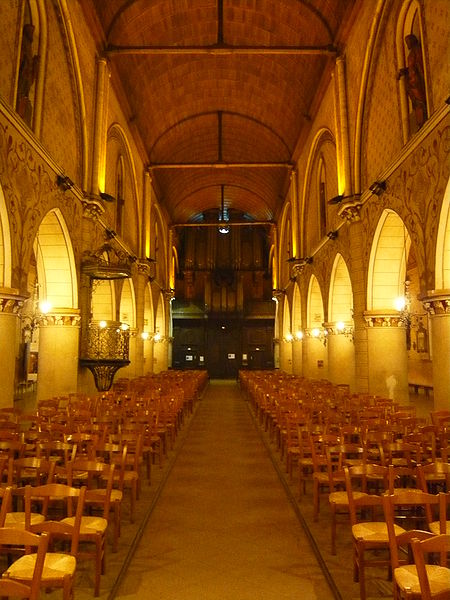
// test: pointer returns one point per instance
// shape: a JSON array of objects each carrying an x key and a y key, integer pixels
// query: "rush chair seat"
[
  {"x": 368, "y": 535},
  {"x": 59, "y": 567},
  {"x": 404, "y": 573},
  {"x": 433, "y": 580},
  {"x": 10, "y": 587}
]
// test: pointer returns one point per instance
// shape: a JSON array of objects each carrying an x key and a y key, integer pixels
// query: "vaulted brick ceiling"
[{"x": 221, "y": 92}]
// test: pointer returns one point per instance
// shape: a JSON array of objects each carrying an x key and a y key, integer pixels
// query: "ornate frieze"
[
  {"x": 10, "y": 302},
  {"x": 438, "y": 303},
  {"x": 63, "y": 320},
  {"x": 384, "y": 319}
]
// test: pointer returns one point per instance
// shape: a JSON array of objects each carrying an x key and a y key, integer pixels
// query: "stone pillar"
[
  {"x": 387, "y": 356},
  {"x": 437, "y": 304},
  {"x": 315, "y": 364},
  {"x": 341, "y": 355},
  {"x": 10, "y": 303},
  {"x": 59, "y": 335},
  {"x": 286, "y": 356},
  {"x": 297, "y": 356}
]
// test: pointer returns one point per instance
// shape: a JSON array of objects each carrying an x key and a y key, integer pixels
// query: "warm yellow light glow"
[
  {"x": 289, "y": 337},
  {"x": 103, "y": 324},
  {"x": 340, "y": 325},
  {"x": 145, "y": 335},
  {"x": 400, "y": 303},
  {"x": 124, "y": 326},
  {"x": 45, "y": 306},
  {"x": 315, "y": 332},
  {"x": 157, "y": 337},
  {"x": 299, "y": 334}
]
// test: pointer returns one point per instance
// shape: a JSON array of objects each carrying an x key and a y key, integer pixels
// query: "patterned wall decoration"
[
  {"x": 415, "y": 191},
  {"x": 30, "y": 191}
]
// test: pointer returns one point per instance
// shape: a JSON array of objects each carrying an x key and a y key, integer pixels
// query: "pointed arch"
[
  {"x": 340, "y": 304},
  {"x": 443, "y": 244},
  {"x": 56, "y": 272},
  {"x": 315, "y": 310},
  {"x": 388, "y": 260},
  {"x": 128, "y": 304},
  {"x": 296, "y": 312},
  {"x": 5, "y": 244}
]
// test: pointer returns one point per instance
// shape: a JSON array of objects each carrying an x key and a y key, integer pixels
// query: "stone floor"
[{"x": 221, "y": 520}]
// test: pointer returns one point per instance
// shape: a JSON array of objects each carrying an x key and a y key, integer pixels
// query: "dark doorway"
[{"x": 223, "y": 349}]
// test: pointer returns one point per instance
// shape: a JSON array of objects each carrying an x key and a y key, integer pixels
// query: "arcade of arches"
[{"x": 318, "y": 139}]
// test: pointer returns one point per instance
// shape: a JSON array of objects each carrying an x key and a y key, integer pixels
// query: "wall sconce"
[
  {"x": 378, "y": 187},
  {"x": 107, "y": 197},
  {"x": 332, "y": 235},
  {"x": 64, "y": 183},
  {"x": 145, "y": 335},
  {"x": 288, "y": 338},
  {"x": 299, "y": 335}
]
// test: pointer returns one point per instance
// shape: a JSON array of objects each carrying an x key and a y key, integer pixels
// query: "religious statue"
[
  {"x": 27, "y": 73},
  {"x": 415, "y": 79}
]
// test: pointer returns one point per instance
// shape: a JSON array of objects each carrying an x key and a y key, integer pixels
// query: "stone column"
[
  {"x": 297, "y": 356},
  {"x": 10, "y": 304},
  {"x": 59, "y": 335},
  {"x": 341, "y": 355},
  {"x": 315, "y": 364},
  {"x": 286, "y": 356},
  {"x": 437, "y": 305},
  {"x": 387, "y": 356}
]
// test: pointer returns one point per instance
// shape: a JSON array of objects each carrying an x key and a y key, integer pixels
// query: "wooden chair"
[
  {"x": 367, "y": 535},
  {"x": 434, "y": 580},
  {"x": 11, "y": 588},
  {"x": 93, "y": 527},
  {"x": 365, "y": 474},
  {"x": 59, "y": 567},
  {"x": 434, "y": 477},
  {"x": 443, "y": 524},
  {"x": 404, "y": 574}
]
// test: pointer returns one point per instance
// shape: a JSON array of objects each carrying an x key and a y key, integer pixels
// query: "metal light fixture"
[
  {"x": 378, "y": 187},
  {"x": 64, "y": 183},
  {"x": 340, "y": 197},
  {"x": 107, "y": 197},
  {"x": 332, "y": 235},
  {"x": 223, "y": 217}
]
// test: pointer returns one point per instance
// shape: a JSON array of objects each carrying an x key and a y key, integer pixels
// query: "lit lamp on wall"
[{"x": 318, "y": 333}]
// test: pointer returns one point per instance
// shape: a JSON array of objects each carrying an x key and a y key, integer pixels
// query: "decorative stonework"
[
  {"x": 144, "y": 268},
  {"x": 351, "y": 211},
  {"x": 63, "y": 320},
  {"x": 92, "y": 208},
  {"x": 438, "y": 304},
  {"x": 383, "y": 320},
  {"x": 10, "y": 304}
]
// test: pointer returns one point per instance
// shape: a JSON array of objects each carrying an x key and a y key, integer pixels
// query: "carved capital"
[
  {"x": 384, "y": 319},
  {"x": 92, "y": 207},
  {"x": 70, "y": 318},
  {"x": 437, "y": 303},
  {"x": 10, "y": 301},
  {"x": 351, "y": 211},
  {"x": 143, "y": 268}
]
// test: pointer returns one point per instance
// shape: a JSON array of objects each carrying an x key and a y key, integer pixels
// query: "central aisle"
[{"x": 223, "y": 527}]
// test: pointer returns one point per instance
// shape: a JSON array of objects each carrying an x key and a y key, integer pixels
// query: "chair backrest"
[
  {"x": 6, "y": 496},
  {"x": 28, "y": 540},
  {"x": 439, "y": 544},
  {"x": 99, "y": 475},
  {"x": 58, "y": 529},
  {"x": 437, "y": 472},
  {"x": 390, "y": 501},
  {"x": 366, "y": 500}
]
